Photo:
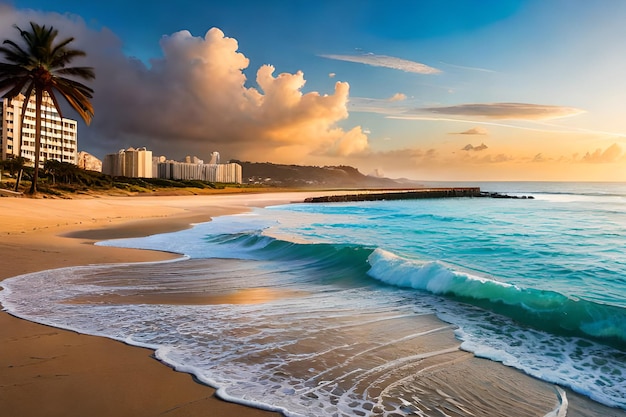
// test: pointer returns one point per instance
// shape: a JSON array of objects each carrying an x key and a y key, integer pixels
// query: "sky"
[{"x": 432, "y": 90}]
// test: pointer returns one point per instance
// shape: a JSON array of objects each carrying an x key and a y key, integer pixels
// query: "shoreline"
[
  {"x": 69, "y": 373},
  {"x": 96, "y": 376}
]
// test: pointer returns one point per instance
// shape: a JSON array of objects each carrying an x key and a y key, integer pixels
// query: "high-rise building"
[
  {"x": 215, "y": 158},
  {"x": 226, "y": 173},
  {"x": 129, "y": 162},
  {"x": 58, "y": 136}
]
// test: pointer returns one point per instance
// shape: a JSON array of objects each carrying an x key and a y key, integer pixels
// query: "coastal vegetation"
[
  {"x": 39, "y": 67},
  {"x": 64, "y": 180}
]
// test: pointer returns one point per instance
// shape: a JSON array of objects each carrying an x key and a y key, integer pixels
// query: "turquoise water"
[{"x": 537, "y": 284}]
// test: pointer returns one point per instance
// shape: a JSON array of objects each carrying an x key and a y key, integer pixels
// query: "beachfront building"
[
  {"x": 226, "y": 173},
  {"x": 215, "y": 158},
  {"x": 131, "y": 162},
  {"x": 88, "y": 162},
  {"x": 59, "y": 139}
]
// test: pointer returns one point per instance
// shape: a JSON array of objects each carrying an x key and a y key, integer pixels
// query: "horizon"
[{"x": 520, "y": 90}]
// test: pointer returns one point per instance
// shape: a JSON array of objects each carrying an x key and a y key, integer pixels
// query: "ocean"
[{"x": 382, "y": 308}]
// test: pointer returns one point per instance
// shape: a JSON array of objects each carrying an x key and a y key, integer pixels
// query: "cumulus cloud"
[
  {"x": 332, "y": 75},
  {"x": 470, "y": 147},
  {"x": 512, "y": 111},
  {"x": 196, "y": 99},
  {"x": 386, "y": 62},
  {"x": 397, "y": 97},
  {"x": 611, "y": 154},
  {"x": 474, "y": 131}
]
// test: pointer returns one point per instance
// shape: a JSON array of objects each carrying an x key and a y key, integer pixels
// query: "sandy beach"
[{"x": 46, "y": 371}]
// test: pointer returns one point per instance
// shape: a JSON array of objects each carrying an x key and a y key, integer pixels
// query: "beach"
[{"x": 45, "y": 371}]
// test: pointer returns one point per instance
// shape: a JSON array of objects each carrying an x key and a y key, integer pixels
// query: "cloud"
[
  {"x": 397, "y": 97},
  {"x": 474, "y": 131},
  {"x": 388, "y": 106},
  {"x": 196, "y": 99},
  {"x": 332, "y": 75},
  {"x": 386, "y": 62},
  {"x": 611, "y": 154},
  {"x": 496, "y": 159},
  {"x": 470, "y": 147},
  {"x": 468, "y": 68},
  {"x": 512, "y": 111}
]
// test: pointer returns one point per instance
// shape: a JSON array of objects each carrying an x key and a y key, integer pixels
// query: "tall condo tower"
[
  {"x": 58, "y": 136},
  {"x": 215, "y": 158}
]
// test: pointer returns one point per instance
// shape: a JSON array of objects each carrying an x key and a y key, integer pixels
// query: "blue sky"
[{"x": 432, "y": 90}]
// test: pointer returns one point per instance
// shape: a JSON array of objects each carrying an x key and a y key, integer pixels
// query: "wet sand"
[{"x": 46, "y": 371}]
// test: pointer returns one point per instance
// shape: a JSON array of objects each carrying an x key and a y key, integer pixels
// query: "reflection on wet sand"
[{"x": 241, "y": 296}]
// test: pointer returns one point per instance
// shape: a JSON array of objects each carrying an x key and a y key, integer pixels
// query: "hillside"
[{"x": 269, "y": 174}]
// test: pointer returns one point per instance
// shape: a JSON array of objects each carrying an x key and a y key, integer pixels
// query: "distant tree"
[
  {"x": 14, "y": 164},
  {"x": 52, "y": 168},
  {"x": 64, "y": 171},
  {"x": 38, "y": 68}
]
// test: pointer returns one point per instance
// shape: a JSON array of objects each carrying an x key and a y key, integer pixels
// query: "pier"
[{"x": 413, "y": 194}]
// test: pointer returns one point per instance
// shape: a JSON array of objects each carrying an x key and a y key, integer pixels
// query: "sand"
[{"x": 48, "y": 372}]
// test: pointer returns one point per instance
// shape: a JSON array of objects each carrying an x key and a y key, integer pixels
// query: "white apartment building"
[
  {"x": 139, "y": 163},
  {"x": 59, "y": 139},
  {"x": 226, "y": 173},
  {"x": 131, "y": 162}
]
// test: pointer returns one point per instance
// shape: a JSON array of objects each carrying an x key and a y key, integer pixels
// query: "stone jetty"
[{"x": 413, "y": 194}]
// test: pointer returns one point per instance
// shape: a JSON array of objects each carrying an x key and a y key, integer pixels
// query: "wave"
[
  {"x": 545, "y": 334},
  {"x": 324, "y": 262},
  {"x": 540, "y": 309}
]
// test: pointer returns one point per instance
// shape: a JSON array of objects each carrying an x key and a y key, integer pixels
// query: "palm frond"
[
  {"x": 17, "y": 87},
  {"x": 13, "y": 71},
  {"x": 61, "y": 59},
  {"x": 56, "y": 103},
  {"x": 15, "y": 54},
  {"x": 61, "y": 46},
  {"x": 71, "y": 83},
  {"x": 27, "y": 94},
  {"x": 77, "y": 99},
  {"x": 81, "y": 72}
]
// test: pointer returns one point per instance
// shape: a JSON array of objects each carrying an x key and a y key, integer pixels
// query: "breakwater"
[{"x": 420, "y": 193}]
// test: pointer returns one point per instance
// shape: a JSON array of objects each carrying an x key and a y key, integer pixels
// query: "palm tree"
[{"x": 39, "y": 68}]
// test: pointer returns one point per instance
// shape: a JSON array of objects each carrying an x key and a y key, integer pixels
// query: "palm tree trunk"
[
  {"x": 18, "y": 179},
  {"x": 38, "y": 102}
]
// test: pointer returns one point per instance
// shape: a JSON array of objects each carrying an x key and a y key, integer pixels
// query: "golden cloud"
[{"x": 511, "y": 111}]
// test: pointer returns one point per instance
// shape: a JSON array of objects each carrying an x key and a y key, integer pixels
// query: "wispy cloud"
[
  {"x": 393, "y": 105},
  {"x": 386, "y": 62},
  {"x": 416, "y": 117},
  {"x": 467, "y": 68},
  {"x": 510, "y": 111}
]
